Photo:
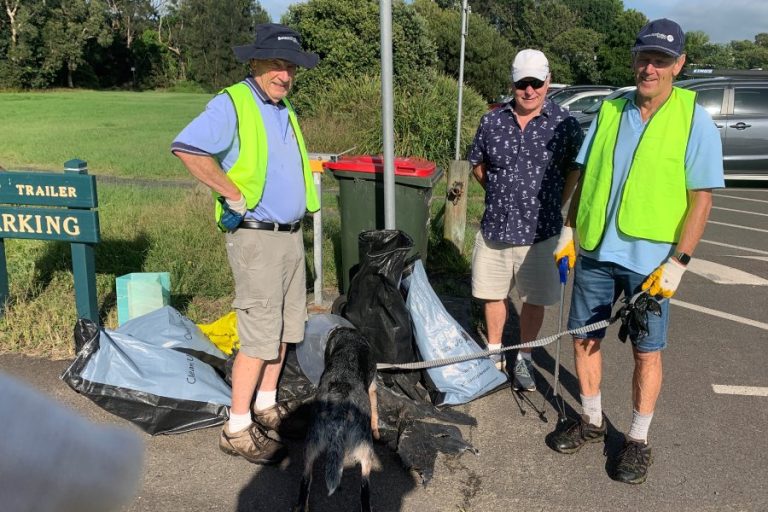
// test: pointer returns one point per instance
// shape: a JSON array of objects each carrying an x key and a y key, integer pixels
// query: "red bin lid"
[{"x": 410, "y": 166}]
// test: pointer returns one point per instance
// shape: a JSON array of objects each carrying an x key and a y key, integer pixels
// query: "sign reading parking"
[{"x": 54, "y": 206}]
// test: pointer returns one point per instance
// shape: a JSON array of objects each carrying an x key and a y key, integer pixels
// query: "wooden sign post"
[{"x": 54, "y": 206}]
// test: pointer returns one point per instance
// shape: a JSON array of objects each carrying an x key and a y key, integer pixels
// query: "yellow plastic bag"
[{"x": 223, "y": 333}]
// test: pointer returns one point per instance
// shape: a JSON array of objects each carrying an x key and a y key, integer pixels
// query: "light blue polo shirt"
[
  {"x": 214, "y": 133},
  {"x": 703, "y": 169}
]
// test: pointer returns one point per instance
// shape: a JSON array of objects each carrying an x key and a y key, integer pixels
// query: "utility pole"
[{"x": 455, "y": 219}]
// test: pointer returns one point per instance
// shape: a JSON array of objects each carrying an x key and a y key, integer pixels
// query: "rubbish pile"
[{"x": 161, "y": 372}]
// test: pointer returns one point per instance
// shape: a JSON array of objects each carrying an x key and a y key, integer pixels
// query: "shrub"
[{"x": 349, "y": 114}]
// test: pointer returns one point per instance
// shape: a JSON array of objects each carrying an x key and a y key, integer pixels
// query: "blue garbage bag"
[
  {"x": 158, "y": 371},
  {"x": 438, "y": 335}
]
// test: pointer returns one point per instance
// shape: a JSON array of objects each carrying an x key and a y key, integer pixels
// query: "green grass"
[
  {"x": 118, "y": 133},
  {"x": 146, "y": 226}
]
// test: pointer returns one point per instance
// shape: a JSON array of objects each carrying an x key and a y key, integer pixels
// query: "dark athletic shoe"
[
  {"x": 634, "y": 460},
  {"x": 577, "y": 435},
  {"x": 523, "y": 376}
]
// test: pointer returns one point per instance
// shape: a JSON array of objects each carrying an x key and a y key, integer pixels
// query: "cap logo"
[
  {"x": 659, "y": 35},
  {"x": 288, "y": 38}
]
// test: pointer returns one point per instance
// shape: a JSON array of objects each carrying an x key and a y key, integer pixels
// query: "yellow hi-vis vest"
[
  {"x": 249, "y": 172},
  {"x": 654, "y": 198}
]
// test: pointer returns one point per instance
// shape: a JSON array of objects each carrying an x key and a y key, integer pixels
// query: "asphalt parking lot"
[{"x": 709, "y": 432}]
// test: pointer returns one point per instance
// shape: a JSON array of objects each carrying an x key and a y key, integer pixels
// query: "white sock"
[
  {"x": 524, "y": 355},
  {"x": 638, "y": 431},
  {"x": 238, "y": 422},
  {"x": 266, "y": 399},
  {"x": 592, "y": 408},
  {"x": 494, "y": 346}
]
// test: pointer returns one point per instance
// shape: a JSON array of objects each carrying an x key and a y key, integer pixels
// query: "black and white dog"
[{"x": 344, "y": 417}]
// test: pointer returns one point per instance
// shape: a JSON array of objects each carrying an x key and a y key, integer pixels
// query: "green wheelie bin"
[{"x": 361, "y": 202}]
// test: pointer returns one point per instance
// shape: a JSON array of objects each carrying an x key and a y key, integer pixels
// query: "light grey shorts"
[
  {"x": 270, "y": 289},
  {"x": 497, "y": 268}
]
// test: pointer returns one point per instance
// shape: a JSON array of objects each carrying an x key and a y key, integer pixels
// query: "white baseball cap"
[{"x": 530, "y": 63}]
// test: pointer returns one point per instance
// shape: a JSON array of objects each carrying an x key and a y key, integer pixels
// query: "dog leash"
[{"x": 541, "y": 342}]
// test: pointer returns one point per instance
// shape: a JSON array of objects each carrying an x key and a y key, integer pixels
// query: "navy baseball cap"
[
  {"x": 275, "y": 41},
  {"x": 661, "y": 35}
]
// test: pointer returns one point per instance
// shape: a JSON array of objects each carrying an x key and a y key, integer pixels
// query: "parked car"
[
  {"x": 583, "y": 100},
  {"x": 561, "y": 95},
  {"x": 553, "y": 88},
  {"x": 739, "y": 107},
  {"x": 586, "y": 116}
]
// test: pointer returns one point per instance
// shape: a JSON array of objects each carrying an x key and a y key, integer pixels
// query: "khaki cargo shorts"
[
  {"x": 497, "y": 268},
  {"x": 270, "y": 289}
]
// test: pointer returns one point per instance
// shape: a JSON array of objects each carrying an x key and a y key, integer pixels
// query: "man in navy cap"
[
  {"x": 248, "y": 149},
  {"x": 651, "y": 160}
]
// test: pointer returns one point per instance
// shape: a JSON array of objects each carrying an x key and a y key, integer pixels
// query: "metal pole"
[
  {"x": 461, "y": 75},
  {"x": 317, "y": 246},
  {"x": 387, "y": 116}
]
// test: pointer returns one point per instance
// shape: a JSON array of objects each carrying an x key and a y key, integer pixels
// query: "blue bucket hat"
[
  {"x": 275, "y": 41},
  {"x": 661, "y": 35}
]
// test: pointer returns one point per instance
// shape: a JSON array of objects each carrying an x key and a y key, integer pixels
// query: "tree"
[
  {"x": 598, "y": 15},
  {"x": 575, "y": 52},
  {"x": 345, "y": 34},
  {"x": 748, "y": 55},
  {"x": 613, "y": 56},
  {"x": 701, "y": 53},
  {"x": 487, "y": 54},
  {"x": 130, "y": 17},
  {"x": 210, "y": 29},
  {"x": 73, "y": 23}
]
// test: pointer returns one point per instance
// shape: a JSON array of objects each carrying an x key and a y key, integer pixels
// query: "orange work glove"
[{"x": 665, "y": 279}]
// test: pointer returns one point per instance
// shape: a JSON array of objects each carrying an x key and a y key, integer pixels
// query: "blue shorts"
[{"x": 597, "y": 285}]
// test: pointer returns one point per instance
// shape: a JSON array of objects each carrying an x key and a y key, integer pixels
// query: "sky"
[{"x": 722, "y": 20}]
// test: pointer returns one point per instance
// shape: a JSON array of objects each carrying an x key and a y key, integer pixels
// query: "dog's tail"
[{"x": 334, "y": 463}]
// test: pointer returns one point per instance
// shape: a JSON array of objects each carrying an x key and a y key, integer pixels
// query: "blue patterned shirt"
[{"x": 525, "y": 172}]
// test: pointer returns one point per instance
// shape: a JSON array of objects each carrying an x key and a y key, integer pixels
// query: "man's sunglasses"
[{"x": 523, "y": 84}]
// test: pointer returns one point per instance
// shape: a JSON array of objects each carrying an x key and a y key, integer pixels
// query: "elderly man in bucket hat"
[
  {"x": 248, "y": 149},
  {"x": 651, "y": 160}
]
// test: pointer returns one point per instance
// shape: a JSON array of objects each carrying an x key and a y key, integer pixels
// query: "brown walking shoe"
[
  {"x": 282, "y": 419},
  {"x": 252, "y": 444}
]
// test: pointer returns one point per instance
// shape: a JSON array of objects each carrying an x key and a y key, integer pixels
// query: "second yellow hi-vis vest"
[
  {"x": 249, "y": 171},
  {"x": 654, "y": 199}
]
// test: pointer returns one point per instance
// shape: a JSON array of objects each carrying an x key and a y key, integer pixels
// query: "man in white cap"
[
  {"x": 651, "y": 159},
  {"x": 248, "y": 149},
  {"x": 523, "y": 155}
]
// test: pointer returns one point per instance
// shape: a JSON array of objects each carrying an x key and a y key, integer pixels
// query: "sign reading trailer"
[{"x": 54, "y": 206}]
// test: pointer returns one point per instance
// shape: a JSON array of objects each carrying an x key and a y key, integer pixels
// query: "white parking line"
[
  {"x": 759, "y": 258},
  {"x": 742, "y": 198},
  {"x": 739, "y": 390},
  {"x": 739, "y": 211},
  {"x": 723, "y": 274},
  {"x": 737, "y": 226},
  {"x": 731, "y": 246},
  {"x": 720, "y": 314}
]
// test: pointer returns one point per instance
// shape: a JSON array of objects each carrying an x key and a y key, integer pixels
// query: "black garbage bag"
[
  {"x": 376, "y": 307},
  {"x": 634, "y": 316}
]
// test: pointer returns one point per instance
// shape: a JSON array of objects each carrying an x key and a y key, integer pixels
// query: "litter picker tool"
[{"x": 563, "y": 270}]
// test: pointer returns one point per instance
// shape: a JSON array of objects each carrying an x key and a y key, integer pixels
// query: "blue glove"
[{"x": 230, "y": 219}]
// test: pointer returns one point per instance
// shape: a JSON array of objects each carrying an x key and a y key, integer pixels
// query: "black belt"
[{"x": 271, "y": 226}]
